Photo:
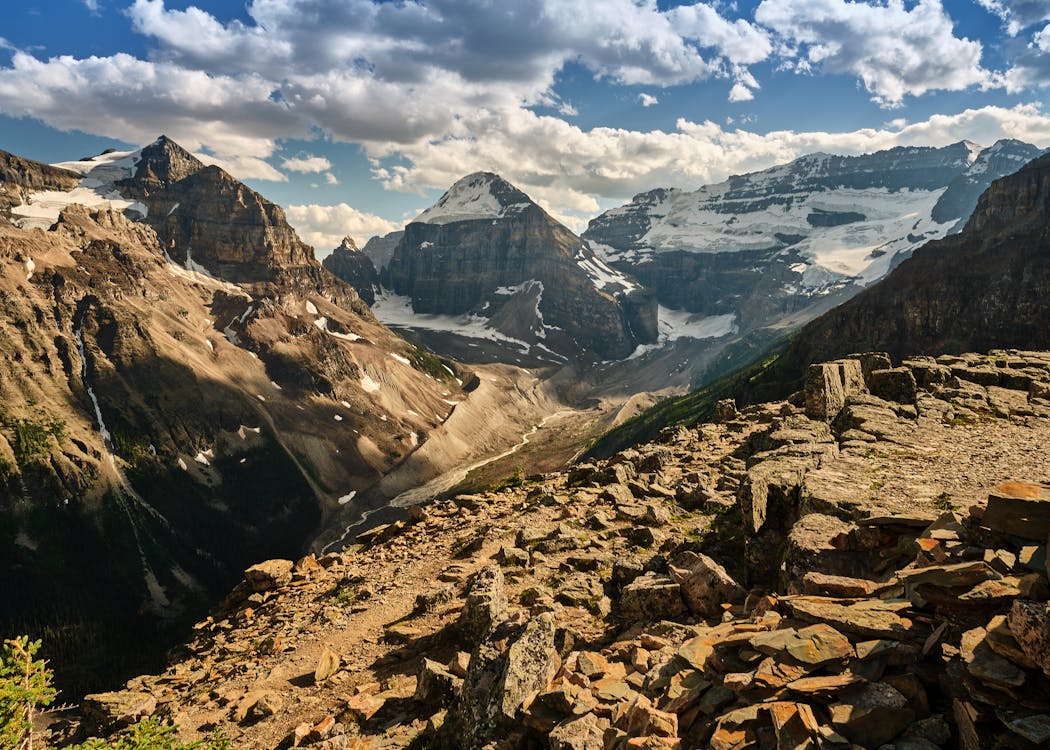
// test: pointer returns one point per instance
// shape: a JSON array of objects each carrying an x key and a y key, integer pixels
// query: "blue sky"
[{"x": 356, "y": 115}]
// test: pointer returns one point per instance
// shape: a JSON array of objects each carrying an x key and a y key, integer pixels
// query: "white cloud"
[
  {"x": 740, "y": 93},
  {"x": 91, "y": 5},
  {"x": 331, "y": 179},
  {"x": 307, "y": 164},
  {"x": 1018, "y": 15},
  {"x": 566, "y": 169},
  {"x": 244, "y": 167},
  {"x": 325, "y": 226},
  {"x": 647, "y": 100},
  {"x": 896, "y": 51}
]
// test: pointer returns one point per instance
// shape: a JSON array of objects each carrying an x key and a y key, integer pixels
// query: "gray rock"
[
  {"x": 485, "y": 605},
  {"x": 829, "y": 384},
  {"x": 507, "y": 670},
  {"x": 896, "y": 384},
  {"x": 652, "y": 596}
]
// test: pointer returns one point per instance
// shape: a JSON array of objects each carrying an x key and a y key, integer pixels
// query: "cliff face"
[
  {"x": 161, "y": 425},
  {"x": 351, "y": 265},
  {"x": 485, "y": 245}
]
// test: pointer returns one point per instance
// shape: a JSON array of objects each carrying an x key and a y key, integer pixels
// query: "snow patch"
[
  {"x": 470, "y": 199},
  {"x": 347, "y": 497}
]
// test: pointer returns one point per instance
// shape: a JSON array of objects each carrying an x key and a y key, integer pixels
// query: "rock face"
[
  {"x": 486, "y": 249},
  {"x": 173, "y": 393},
  {"x": 351, "y": 265},
  {"x": 782, "y": 244}
]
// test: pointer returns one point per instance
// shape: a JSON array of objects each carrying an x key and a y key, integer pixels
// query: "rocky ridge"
[
  {"x": 861, "y": 566},
  {"x": 162, "y": 424}
]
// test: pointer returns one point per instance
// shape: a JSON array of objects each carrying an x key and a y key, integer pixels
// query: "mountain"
[
  {"x": 987, "y": 287},
  {"x": 782, "y": 243},
  {"x": 487, "y": 262},
  {"x": 185, "y": 390},
  {"x": 351, "y": 265}
]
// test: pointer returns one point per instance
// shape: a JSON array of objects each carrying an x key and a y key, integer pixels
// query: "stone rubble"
[{"x": 806, "y": 574}]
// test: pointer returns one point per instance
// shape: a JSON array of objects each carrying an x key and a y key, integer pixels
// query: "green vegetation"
[
  {"x": 943, "y": 502},
  {"x": 517, "y": 479},
  {"x": 432, "y": 365},
  {"x": 25, "y": 689},
  {"x": 150, "y": 734},
  {"x": 31, "y": 437}
]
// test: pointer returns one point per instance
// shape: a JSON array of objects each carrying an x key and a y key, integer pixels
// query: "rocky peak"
[
  {"x": 351, "y": 265},
  {"x": 485, "y": 249},
  {"x": 481, "y": 195},
  {"x": 164, "y": 162}
]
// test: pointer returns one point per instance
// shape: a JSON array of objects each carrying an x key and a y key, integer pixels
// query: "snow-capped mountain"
[
  {"x": 771, "y": 244},
  {"x": 486, "y": 263}
]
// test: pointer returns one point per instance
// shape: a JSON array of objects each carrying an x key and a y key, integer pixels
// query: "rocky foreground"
[{"x": 862, "y": 566}]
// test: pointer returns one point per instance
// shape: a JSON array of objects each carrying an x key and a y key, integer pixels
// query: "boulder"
[
  {"x": 578, "y": 733},
  {"x": 104, "y": 713},
  {"x": 269, "y": 575},
  {"x": 485, "y": 605},
  {"x": 1019, "y": 509},
  {"x": 705, "y": 585},
  {"x": 896, "y": 384},
  {"x": 436, "y": 686},
  {"x": 1029, "y": 622},
  {"x": 652, "y": 596},
  {"x": 871, "y": 715},
  {"x": 829, "y": 384},
  {"x": 327, "y": 665},
  {"x": 507, "y": 671}
]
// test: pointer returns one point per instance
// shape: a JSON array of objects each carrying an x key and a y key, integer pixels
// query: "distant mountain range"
[{"x": 674, "y": 274}]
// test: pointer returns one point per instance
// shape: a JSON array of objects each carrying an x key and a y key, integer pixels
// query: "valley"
[{"x": 189, "y": 391}]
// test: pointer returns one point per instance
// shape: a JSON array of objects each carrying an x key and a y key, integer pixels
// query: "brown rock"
[
  {"x": 1030, "y": 624},
  {"x": 871, "y": 715},
  {"x": 106, "y": 712},
  {"x": 651, "y": 596},
  {"x": 705, "y": 585},
  {"x": 874, "y": 618},
  {"x": 578, "y": 733},
  {"x": 1019, "y": 509},
  {"x": 821, "y": 584},
  {"x": 829, "y": 384},
  {"x": 327, "y": 665},
  {"x": 268, "y": 575}
]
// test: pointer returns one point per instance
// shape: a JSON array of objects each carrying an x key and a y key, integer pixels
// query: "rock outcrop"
[{"x": 892, "y": 592}]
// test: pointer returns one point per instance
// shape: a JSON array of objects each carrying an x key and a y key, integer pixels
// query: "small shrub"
[{"x": 25, "y": 687}]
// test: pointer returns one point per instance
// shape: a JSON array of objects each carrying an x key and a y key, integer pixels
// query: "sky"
[{"x": 355, "y": 115}]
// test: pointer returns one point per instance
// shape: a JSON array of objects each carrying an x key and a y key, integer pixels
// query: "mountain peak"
[
  {"x": 479, "y": 195},
  {"x": 167, "y": 162},
  {"x": 348, "y": 245}
]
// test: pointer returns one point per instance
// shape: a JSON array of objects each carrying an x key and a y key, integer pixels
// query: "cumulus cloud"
[
  {"x": 740, "y": 93},
  {"x": 896, "y": 51},
  {"x": 324, "y": 227},
  {"x": 91, "y": 5},
  {"x": 566, "y": 168},
  {"x": 1018, "y": 14},
  {"x": 306, "y": 164},
  {"x": 647, "y": 100}
]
